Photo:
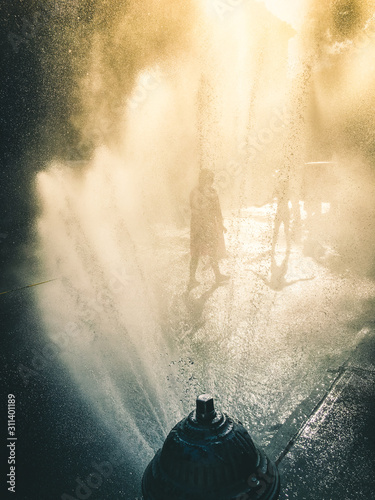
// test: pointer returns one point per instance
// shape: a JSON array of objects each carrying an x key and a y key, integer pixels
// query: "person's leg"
[
  {"x": 215, "y": 266},
  {"x": 275, "y": 234},
  {"x": 286, "y": 221},
  {"x": 193, "y": 269}
]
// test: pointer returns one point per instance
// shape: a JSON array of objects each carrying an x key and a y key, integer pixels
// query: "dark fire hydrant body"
[{"x": 210, "y": 456}]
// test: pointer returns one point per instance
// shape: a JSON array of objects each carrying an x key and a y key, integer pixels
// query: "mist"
[{"x": 252, "y": 90}]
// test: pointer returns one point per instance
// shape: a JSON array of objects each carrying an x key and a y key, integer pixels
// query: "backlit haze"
[{"x": 255, "y": 91}]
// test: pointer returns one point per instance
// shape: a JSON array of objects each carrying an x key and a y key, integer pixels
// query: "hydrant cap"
[{"x": 205, "y": 409}]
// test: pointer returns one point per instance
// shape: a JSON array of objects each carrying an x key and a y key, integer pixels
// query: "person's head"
[{"x": 206, "y": 177}]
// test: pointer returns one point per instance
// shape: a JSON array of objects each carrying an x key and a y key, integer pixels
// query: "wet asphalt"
[{"x": 291, "y": 356}]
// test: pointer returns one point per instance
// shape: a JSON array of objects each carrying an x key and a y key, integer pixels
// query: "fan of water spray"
[{"x": 103, "y": 303}]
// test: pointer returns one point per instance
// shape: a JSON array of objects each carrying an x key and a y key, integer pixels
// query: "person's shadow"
[
  {"x": 195, "y": 307},
  {"x": 277, "y": 281}
]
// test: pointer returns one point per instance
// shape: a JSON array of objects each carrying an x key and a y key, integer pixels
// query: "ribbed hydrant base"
[{"x": 209, "y": 456}]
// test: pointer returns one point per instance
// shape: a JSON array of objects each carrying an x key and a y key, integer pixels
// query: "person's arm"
[
  {"x": 219, "y": 214},
  {"x": 195, "y": 201}
]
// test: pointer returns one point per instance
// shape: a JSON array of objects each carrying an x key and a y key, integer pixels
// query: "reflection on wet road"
[
  {"x": 275, "y": 333},
  {"x": 143, "y": 345}
]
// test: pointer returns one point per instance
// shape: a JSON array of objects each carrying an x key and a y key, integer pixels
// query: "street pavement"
[
  {"x": 289, "y": 353},
  {"x": 263, "y": 349},
  {"x": 292, "y": 357},
  {"x": 333, "y": 454}
]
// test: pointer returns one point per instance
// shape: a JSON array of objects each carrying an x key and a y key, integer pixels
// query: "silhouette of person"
[
  {"x": 206, "y": 228},
  {"x": 282, "y": 213}
]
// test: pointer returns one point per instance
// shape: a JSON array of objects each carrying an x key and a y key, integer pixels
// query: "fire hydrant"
[{"x": 210, "y": 456}]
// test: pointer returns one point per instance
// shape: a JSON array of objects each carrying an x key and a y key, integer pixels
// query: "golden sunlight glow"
[
  {"x": 290, "y": 11},
  {"x": 280, "y": 108}
]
